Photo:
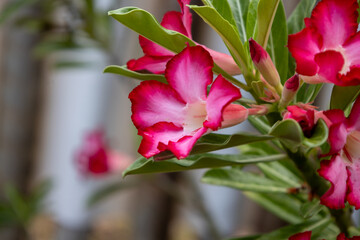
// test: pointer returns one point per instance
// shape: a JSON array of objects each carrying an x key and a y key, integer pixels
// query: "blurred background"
[{"x": 53, "y": 94}]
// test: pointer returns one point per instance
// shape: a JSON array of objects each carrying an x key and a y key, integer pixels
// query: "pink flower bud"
[
  {"x": 265, "y": 65},
  {"x": 290, "y": 89}
]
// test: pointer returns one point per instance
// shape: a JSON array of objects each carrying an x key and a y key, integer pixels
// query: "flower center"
[
  {"x": 346, "y": 67},
  {"x": 195, "y": 115}
]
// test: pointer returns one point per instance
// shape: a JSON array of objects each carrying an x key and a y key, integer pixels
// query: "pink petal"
[
  {"x": 183, "y": 147},
  {"x": 335, "y": 116},
  {"x": 330, "y": 64},
  {"x": 352, "y": 77},
  {"x": 190, "y": 72},
  {"x": 353, "y": 121},
  {"x": 225, "y": 61},
  {"x": 352, "y": 51},
  {"x": 155, "y": 65},
  {"x": 334, "y": 171},
  {"x": 221, "y": 94},
  {"x": 335, "y": 20},
  {"x": 234, "y": 114},
  {"x": 157, "y": 137},
  {"x": 337, "y": 137},
  {"x": 152, "y": 49},
  {"x": 304, "y": 46},
  {"x": 154, "y": 102},
  {"x": 173, "y": 21},
  {"x": 186, "y": 17},
  {"x": 353, "y": 196},
  {"x": 301, "y": 236}
]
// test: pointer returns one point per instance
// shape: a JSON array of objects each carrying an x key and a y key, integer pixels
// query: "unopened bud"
[
  {"x": 265, "y": 65},
  {"x": 289, "y": 91},
  {"x": 233, "y": 115}
]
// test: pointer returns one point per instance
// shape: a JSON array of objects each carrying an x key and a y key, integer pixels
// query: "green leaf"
[
  {"x": 343, "y": 97},
  {"x": 265, "y": 17},
  {"x": 296, "y": 20},
  {"x": 242, "y": 180},
  {"x": 308, "y": 92},
  {"x": 212, "y": 142},
  {"x": 285, "y": 206},
  {"x": 260, "y": 123},
  {"x": 320, "y": 135},
  {"x": 143, "y": 165},
  {"x": 289, "y": 132},
  {"x": 278, "y": 41},
  {"x": 251, "y": 19},
  {"x": 227, "y": 32},
  {"x": 223, "y": 8},
  {"x": 146, "y": 25},
  {"x": 240, "y": 12},
  {"x": 310, "y": 209},
  {"x": 122, "y": 70}
]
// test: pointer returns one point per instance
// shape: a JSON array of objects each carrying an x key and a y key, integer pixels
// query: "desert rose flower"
[
  {"x": 328, "y": 48},
  {"x": 174, "y": 116},
  {"x": 305, "y": 117},
  {"x": 95, "y": 158},
  {"x": 307, "y": 236},
  {"x": 156, "y": 56},
  {"x": 343, "y": 169}
]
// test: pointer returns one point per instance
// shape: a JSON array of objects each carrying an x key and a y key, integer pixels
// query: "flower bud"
[
  {"x": 289, "y": 91},
  {"x": 265, "y": 65}
]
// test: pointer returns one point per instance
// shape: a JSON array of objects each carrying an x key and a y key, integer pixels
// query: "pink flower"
[
  {"x": 305, "y": 118},
  {"x": 307, "y": 236},
  {"x": 328, "y": 48},
  {"x": 94, "y": 157},
  {"x": 156, "y": 56},
  {"x": 343, "y": 169},
  {"x": 174, "y": 116}
]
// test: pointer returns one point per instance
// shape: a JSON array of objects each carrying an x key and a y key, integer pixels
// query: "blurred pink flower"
[{"x": 307, "y": 236}]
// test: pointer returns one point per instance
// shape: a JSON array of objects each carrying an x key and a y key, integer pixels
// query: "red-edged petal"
[
  {"x": 225, "y": 61},
  {"x": 353, "y": 184},
  {"x": 152, "y": 49},
  {"x": 337, "y": 137},
  {"x": 221, "y": 94},
  {"x": 182, "y": 147},
  {"x": 157, "y": 137},
  {"x": 186, "y": 15},
  {"x": 301, "y": 236},
  {"x": 334, "y": 171},
  {"x": 352, "y": 77},
  {"x": 190, "y": 72},
  {"x": 173, "y": 21},
  {"x": 155, "y": 65},
  {"x": 234, "y": 114},
  {"x": 335, "y": 116},
  {"x": 335, "y": 20},
  {"x": 353, "y": 121},
  {"x": 330, "y": 64},
  {"x": 154, "y": 102},
  {"x": 304, "y": 46},
  {"x": 352, "y": 52}
]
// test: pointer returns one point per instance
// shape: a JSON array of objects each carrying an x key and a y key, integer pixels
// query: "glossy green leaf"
[
  {"x": 146, "y": 25},
  {"x": 277, "y": 43},
  {"x": 143, "y": 165},
  {"x": 240, "y": 12},
  {"x": 245, "y": 181},
  {"x": 265, "y": 17},
  {"x": 251, "y": 19},
  {"x": 212, "y": 142},
  {"x": 223, "y": 8},
  {"x": 289, "y": 132},
  {"x": 308, "y": 92},
  {"x": 311, "y": 208},
  {"x": 296, "y": 20},
  {"x": 285, "y": 206},
  {"x": 227, "y": 32},
  {"x": 122, "y": 70},
  {"x": 319, "y": 136},
  {"x": 343, "y": 97}
]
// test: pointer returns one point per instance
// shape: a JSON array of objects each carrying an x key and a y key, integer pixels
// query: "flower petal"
[
  {"x": 334, "y": 171},
  {"x": 304, "y": 46},
  {"x": 173, "y": 20},
  {"x": 152, "y": 49},
  {"x": 353, "y": 121},
  {"x": 301, "y": 236},
  {"x": 221, "y": 94},
  {"x": 352, "y": 50},
  {"x": 234, "y": 114},
  {"x": 352, "y": 77},
  {"x": 337, "y": 137},
  {"x": 156, "y": 138},
  {"x": 154, "y": 102},
  {"x": 353, "y": 196},
  {"x": 335, "y": 20},
  {"x": 330, "y": 64},
  {"x": 155, "y": 65},
  {"x": 186, "y": 16},
  {"x": 225, "y": 61},
  {"x": 182, "y": 147},
  {"x": 190, "y": 72}
]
